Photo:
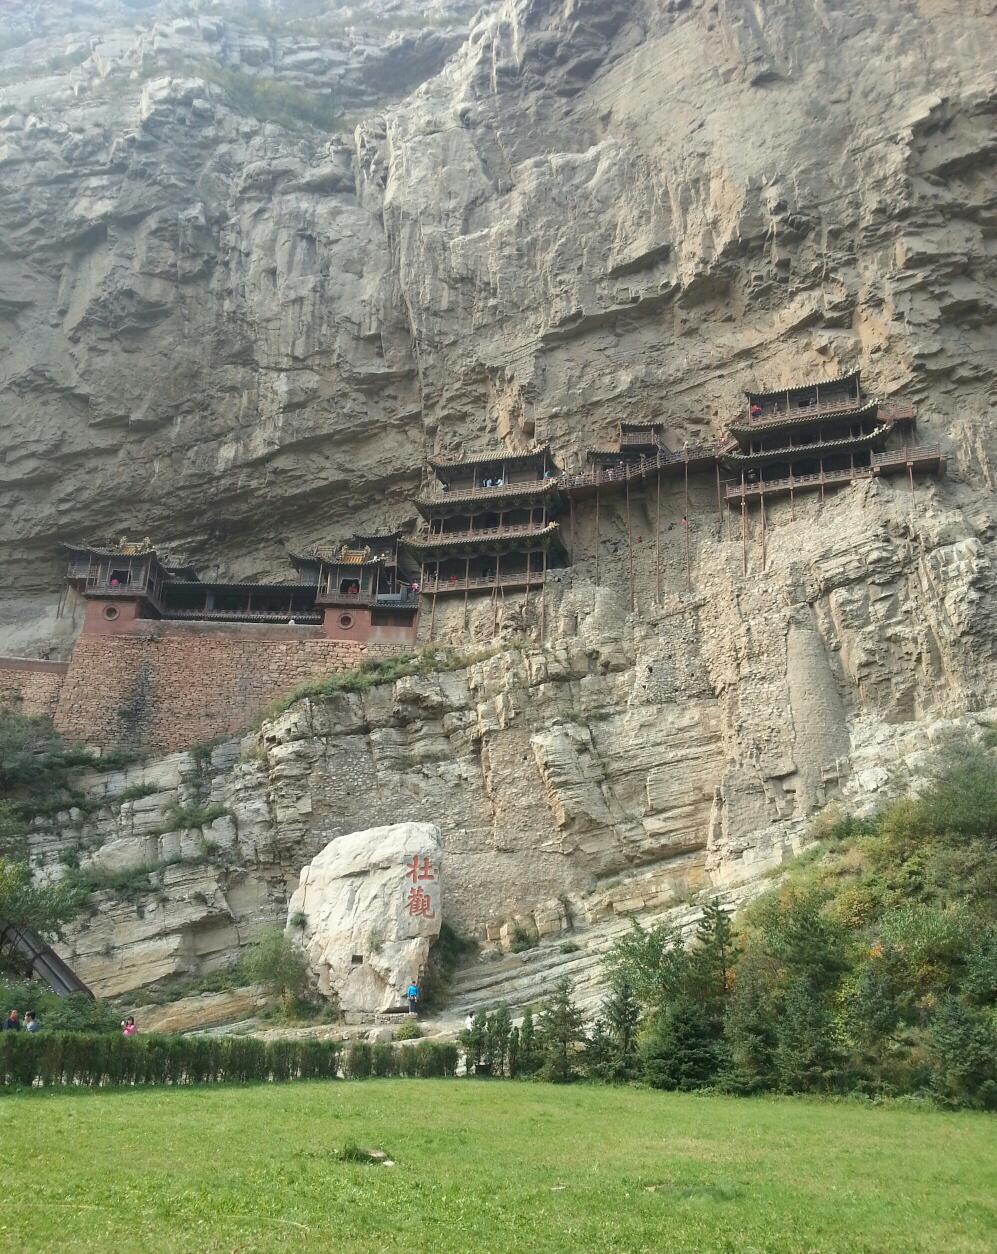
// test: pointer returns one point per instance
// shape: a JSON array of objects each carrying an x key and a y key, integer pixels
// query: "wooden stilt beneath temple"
[{"x": 630, "y": 549}]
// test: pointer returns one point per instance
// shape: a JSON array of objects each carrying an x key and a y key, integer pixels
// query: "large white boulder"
[{"x": 373, "y": 904}]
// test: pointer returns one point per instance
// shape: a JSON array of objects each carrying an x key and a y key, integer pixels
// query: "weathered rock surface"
[
  {"x": 236, "y": 335},
  {"x": 372, "y": 903}
]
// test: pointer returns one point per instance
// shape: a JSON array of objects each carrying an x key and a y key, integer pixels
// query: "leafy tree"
[
  {"x": 560, "y": 1030},
  {"x": 42, "y": 908},
  {"x": 475, "y": 1041},
  {"x": 963, "y": 1045},
  {"x": 277, "y": 963},
  {"x": 961, "y": 800}
]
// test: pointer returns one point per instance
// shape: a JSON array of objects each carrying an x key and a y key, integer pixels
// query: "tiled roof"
[{"x": 773, "y": 393}]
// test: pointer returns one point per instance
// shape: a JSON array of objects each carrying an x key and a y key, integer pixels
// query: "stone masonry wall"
[
  {"x": 181, "y": 684},
  {"x": 31, "y": 686}
]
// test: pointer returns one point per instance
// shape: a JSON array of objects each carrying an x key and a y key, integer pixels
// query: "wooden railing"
[
  {"x": 627, "y": 470},
  {"x": 773, "y": 416},
  {"x": 917, "y": 457},
  {"x": 480, "y": 583},
  {"x": 639, "y": 439},
  {"x": 301, "y": 617},
  {"x": 430, "y": 538},
  {"x": 436, "y": 492}
]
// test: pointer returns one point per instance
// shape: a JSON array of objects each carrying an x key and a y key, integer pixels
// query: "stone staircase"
[{"x": 524, "y": 979}]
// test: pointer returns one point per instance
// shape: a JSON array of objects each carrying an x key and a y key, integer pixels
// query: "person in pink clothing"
[{"x": 128, "y": 1028}]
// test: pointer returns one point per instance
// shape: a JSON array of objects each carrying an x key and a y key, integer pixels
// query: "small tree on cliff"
[{"x": 277, "y": 963}]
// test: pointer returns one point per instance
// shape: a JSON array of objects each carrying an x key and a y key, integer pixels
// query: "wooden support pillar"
[
  {"x": 910, "y": 476},
  {"x": 744, "y": 538},
  {"x": 688, "y": 570},
  {"x": 720, "y": 507},
  {"x": 792, "y": 498},
  {"x": 571, "y": 525},
  {"x": 630, "y": 547},
  {"x": 597, "y": 529},
  {"x": 467, "y": 580},
  {"x": 526, "y": 594},
  {"x": 495, "y": 586},
  {"x": 763, "y": 530},
  {"x": 822, "y": 478},
  {"x": 543, "y": 597},
  {"x": 657, "y": 537}
]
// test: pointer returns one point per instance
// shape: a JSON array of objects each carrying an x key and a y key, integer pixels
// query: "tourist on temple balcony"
[
  {"x": 756, "y": 410},
  {"x": 499, "y": 483},
  {"x": 445, "y": 487},
  {"x": 453, "y": 581}
]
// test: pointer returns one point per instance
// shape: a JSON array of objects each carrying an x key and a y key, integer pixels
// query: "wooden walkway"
[{"x": 922, "y": 459}]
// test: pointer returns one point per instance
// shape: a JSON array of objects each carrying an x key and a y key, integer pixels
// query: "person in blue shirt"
[{"x": 412, "y": 993}]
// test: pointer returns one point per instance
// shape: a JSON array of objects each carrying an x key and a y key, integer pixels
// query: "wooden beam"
[
  {"x": 688, "y": 570},
  {"x": 630, "y": 549},
  {"x": 744, "y": 538},
  {"x": 657, "y": 538},
  {"x": 597, "y": 537}
]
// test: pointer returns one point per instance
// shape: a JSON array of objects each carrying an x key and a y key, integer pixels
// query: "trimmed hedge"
[{"x": 92, "y": 1060}]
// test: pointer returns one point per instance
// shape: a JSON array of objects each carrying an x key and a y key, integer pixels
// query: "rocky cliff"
[{"x": 236, "y": 334}]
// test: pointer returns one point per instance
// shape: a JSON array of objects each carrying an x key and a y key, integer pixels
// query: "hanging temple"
[{"x": 491, "y": 525}]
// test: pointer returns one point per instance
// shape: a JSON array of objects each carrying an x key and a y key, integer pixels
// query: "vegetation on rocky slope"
[{"x": 872, "y": 968}]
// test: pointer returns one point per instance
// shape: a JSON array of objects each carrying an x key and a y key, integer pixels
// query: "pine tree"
[
  {"x": 621, "y": 1012},
  {"x": 807, "y": 1057},
  {"x": 514, "y": 1049},
  {"x": 529, "y": 1046},
  {"x": 683, "y": 1049},
  {"x": 560, "y": 1030},
  {"x": 499, "y": 1028},
  {"x": 749, "y": 1030}
]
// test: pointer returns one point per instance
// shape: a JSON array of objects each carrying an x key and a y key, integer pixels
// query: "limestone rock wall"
[{"x": 237, "y": 335}]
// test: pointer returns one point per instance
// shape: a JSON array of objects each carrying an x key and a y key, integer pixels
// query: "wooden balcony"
[
  {"x": 434, "y": 495},
  {"x": 491, "y": 537},
  {"x": 770, "y": 419},
  {"x": 515, "y": 579},
  {"x": 695, "y": 456},
  {"x": 923, "y": 459}
]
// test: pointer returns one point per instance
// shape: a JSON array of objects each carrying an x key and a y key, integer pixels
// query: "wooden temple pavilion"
[
  {"x": 489, "y": 523},
  {"x": 124, "y": 581},
  {"x": 819, "y": 435},
  {"x": 362, "y": 584}
]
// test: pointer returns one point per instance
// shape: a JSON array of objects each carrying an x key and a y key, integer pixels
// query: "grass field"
[{"x": 488, "y": 1166}]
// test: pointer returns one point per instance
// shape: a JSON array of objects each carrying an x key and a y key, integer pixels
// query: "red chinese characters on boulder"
[{"x": 419, "y": 903}]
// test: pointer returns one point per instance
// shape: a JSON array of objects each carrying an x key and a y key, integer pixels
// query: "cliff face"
[{"x": 234, "y": 335}]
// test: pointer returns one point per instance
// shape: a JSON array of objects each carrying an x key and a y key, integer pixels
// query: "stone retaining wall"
[
  {"x": 30, "y": 685},
  {"x": 172, "y": 685}
]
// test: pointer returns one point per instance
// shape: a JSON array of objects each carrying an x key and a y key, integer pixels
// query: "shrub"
[
  {"x": 384, "y": 1060},
  {"x": 408, "y": 1031},
  {"x": 277, "y": 963},
  {"x": 357, "y": 1065},
  {"x": 88, "y": 1059}
]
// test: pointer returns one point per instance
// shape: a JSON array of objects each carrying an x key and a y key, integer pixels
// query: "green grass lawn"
[{"x": 488, "y": 1166}]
